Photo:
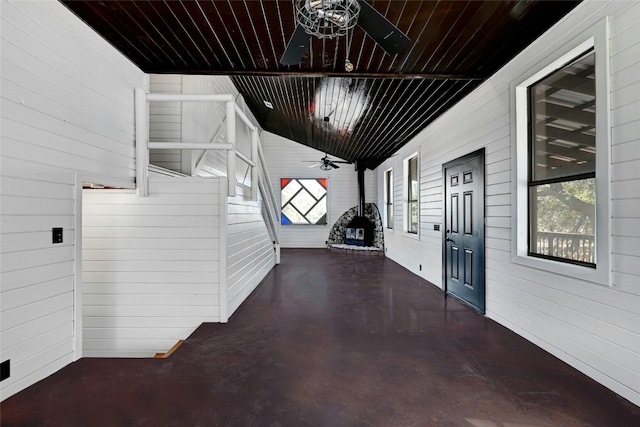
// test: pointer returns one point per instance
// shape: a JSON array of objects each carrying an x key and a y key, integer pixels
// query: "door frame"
[{"x": 480, "y": 153}]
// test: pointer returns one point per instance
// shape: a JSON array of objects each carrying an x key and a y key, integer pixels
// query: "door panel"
[
  {"x": 455, "y": 270},
  {"x": 455, "y": 213},
  {"x": 463, "y": 246}
]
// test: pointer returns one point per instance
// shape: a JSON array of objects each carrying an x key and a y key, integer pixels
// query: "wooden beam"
[
  {"x": 190, "y": 146},
  {"x": 577, "y": 137},
  {"x": 180, "y": 97},
  {"x": 426, "y": 76},
  {"x": 576, "y": 115},
  {"x": 543, "y": 148}
]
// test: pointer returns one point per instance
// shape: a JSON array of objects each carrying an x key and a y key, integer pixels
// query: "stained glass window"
[{"x": 304, "y": 201}]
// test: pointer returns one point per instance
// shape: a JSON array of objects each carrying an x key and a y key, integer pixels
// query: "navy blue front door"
[{"x": 463, "y": 245}]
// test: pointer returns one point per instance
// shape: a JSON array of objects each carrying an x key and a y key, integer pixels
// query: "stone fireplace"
[{"x": 360, "y": 228}]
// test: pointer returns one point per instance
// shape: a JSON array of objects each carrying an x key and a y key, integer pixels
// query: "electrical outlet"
[
  {"x": 56, "y": 235},
  {"x": 436, "y": 227},
  {"x": 5, "y": 370}
]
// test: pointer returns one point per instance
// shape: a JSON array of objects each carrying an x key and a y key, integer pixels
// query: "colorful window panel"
[{"x": 304, "y": 201}]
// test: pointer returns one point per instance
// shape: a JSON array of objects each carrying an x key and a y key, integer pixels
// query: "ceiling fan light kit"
[
  {"x": 335, "y": 18},
  {"x": 327, "y": 18},
  {"x": 348, "y": 66}
]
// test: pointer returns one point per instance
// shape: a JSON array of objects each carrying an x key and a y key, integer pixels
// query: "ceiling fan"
[
  {"x": 333, "y": 18},
  {"x": 326, "y": 164}
]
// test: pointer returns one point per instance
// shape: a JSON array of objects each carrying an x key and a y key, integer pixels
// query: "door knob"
[{"x": 449, "y": 240}]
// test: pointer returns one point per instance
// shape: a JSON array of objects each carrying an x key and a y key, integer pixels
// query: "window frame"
[
  {"x": 596, "y": 39},
  {"x": 388, "y": 199},
  {"x": 405, "y": 196},
  {"x": 534, "y": 183}
]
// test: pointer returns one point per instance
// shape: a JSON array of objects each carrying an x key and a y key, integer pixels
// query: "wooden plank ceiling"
[{"x": 364, "y": 115}]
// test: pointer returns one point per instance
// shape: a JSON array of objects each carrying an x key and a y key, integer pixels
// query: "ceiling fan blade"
[
  {"x": 317, "y": 164},
  {"x": 380, "y": 29},
  {"x": 296, "y": 47},
  {"x": 333, "y": 165}
]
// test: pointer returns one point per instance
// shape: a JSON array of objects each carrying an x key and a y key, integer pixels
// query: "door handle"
[{"x": 448, "y": 240}]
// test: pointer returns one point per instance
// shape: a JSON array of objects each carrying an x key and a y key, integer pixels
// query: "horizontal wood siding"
[
  {"x": 147, "y": 261},
  {"x": 165, "y": 121},
  {"x": 287, "y": 159},
  {"x": 67, "y": 108},
  {"x": 592, "y": 327},
  {"x": 203, "y": 121},
  {"x": 250, "y": 251}
]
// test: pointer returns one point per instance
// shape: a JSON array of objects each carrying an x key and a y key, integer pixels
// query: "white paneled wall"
[
  {"x": 285, "y": 160},
  {"x": 250, "y": 251},
  {"x": 204, "y": 121},
  {"x": 593, "y": 327},
  {"x": 67, "y": 108},
  {"x": 151, "y": 265},
  {"x": 165, "y": 121}
]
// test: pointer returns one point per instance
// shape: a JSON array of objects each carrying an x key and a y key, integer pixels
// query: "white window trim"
[
  {"x": 405, "y": 197},
  {"x": 597, "y": 38},
  {"x": 387, "y": 184}
]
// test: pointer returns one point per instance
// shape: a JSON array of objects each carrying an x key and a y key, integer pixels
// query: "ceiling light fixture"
[
  {"x": 348, "y": 66},
  {"x": 327, "y": 18}
]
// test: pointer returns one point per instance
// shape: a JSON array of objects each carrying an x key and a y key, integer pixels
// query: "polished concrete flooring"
[{"x": 331, "y": 339}]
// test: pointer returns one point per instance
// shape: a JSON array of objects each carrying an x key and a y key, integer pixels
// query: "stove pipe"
[{"x": 360, "y": 168}]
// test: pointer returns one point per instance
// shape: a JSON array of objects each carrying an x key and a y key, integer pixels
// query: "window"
[
  {"x": 388, "y": 198},
  {"x": 561, "y": 165},
  {"x": 411, "y": 188},
  {"x": 304, "y": 201}
]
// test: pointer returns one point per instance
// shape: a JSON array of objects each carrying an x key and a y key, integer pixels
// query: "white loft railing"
[
  {"x": 157, "y": 170},
  {"x": 259, "y": 175},
  {"x": 143, "y": 144},
  {"x": 270, "y": 210}
]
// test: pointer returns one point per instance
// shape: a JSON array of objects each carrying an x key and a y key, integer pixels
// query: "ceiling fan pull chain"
[{"x": 348, "y": 66}]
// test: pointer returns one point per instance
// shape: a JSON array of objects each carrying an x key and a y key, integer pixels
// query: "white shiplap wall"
[
  {"x": 165, "y": 121},
  {"x": 151, "y": 266},
  {"x": 285, "y": 160},
  {"x": 250, "y": 251},
  {"x": 67, "y": 108},
  {"x": 204, "y": 121},
  {"x": 592, "y": 327}
]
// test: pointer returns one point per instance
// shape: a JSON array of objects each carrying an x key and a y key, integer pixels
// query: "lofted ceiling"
[{"x": 364, "y": 115}]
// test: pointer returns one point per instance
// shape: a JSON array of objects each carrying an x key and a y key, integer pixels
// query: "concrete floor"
[{"x": 331, "y": 339}]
